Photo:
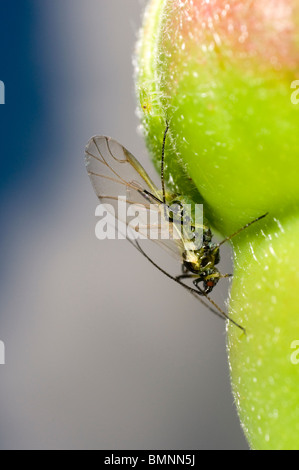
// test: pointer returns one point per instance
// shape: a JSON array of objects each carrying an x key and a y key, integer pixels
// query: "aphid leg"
[
  {"x": 196, "y": 292},
  {"x": 225, "y": 315},
  {"x": 184, "y": 269},
  {"x": 217, "y": 311},
  {"x": 185, "y": 276},
  {"x": 196, "y": 282}
]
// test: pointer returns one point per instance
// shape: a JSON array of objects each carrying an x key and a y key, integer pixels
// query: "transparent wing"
[
  {"x": 114, "y": 171},
  {"x": 116, "y": 176},
  {"x": 126, "y": 190}
]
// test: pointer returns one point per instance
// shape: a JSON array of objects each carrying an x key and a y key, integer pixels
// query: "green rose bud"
[{"x": 225, "y": 76}]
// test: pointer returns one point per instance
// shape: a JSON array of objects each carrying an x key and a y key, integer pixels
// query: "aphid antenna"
[
  {"x": 241, "y": 229},
  {"x": 162, "y": 162}
]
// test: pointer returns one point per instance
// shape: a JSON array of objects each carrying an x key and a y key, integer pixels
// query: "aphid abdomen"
[{"x": 192, "y": 260}]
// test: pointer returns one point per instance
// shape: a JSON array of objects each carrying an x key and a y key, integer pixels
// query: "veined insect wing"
[
  {"x": 114, "y": 173},
  {"x": 117, "y": 176}
]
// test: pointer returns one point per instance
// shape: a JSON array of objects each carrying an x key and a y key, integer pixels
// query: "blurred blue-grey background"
[{"x": 102, "y": 351}]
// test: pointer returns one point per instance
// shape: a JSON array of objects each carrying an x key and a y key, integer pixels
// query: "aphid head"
[
  {"x": 209, "y": 279},
  {"x": 209, "y": 283}
]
